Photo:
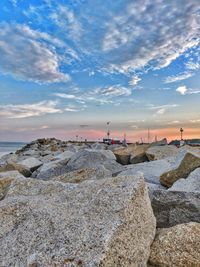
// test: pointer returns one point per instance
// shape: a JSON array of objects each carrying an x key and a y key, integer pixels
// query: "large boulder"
[
  {"x": 11, "y": 174},
  {"x": 161, "y": 152},
  {"x": 104, "y": 223},
  {"x": 175, "y": 207},
  {"x": 187, "y": 162},
  {"x": 190, "y": 184},
  {"x": 162, "y": 142},
  {"x": 178, "y": 246},
  {"x": 93, "y": 159},
  {"x": 131, "y": 154},
  {"x": 139, "y": 154},
  {"x": 151, "y": 170},
  {"x": 67, "y": 155},
  {"x": 31, "y": 163},
  {"x": 12, "y": 166},
  {"x": 107, "y": 153},
  {"x": 81, "y": 175},
  {"x": 51, "y": 169}
]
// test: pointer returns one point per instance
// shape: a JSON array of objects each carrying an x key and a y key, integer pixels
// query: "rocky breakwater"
[
  {"x": 81, "y": 217},
  {"x": 76, "y": 204}
]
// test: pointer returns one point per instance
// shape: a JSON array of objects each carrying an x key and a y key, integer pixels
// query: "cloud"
[
  {"x": 168, "y": 106},
  {"x": 161, "y": 111},
  {"x": 114, "y": 91},
  {"x": 66, "y": 96},
  {"x": 65, "y": 18},
  {"x": 26, "y": 55},
  {"x": 29, "y": 110},
  {"x": 177, "y": 78},
  {"x": 134, "y": 80},
  {"x": 155, "y": 33},
  {"x": 182, "y": 90}
]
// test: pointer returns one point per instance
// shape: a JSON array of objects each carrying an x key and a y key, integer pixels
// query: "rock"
[
  {"x": 12, "y": 166},
  {"x": 172, "y": 207},
  {"x": 81, "y": 175},
  {"x": 162, "y": 142},
  {"x": 107, "y": 153},
  {"x": 139, "y": 154},
  {"x": 93, "y": 160},
  {"x": 67, "y": 155},
  {"x": 188, "y": 163},
  {"x": 190, "y": 184},
  {"x": 104, "y": 223},
  {"x": 31, "y": 163},
  {"x": 177, "y": 246},
  {"x": 161, "y": 152},
  {"x": 51, "y": 169},
  {"x": 151, "y": 170},
  {"x": 11, "y": 174},
  {"x": 131, "y": 154}
]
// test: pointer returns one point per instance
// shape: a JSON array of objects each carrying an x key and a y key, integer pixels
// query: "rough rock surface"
[
  {"x": 190, "y": 184},
  {"x": 139, "y": 154},
  {"x": 151, "y": 170},
  {"x": 81, "y": 175},
  {"x": 104, "y": 223},
  {"x": 161, "y": 152},
  {"x": 12, "y": 166},
  {"x": 178, "y": 246},
  {"x": 93, "y": 160},
  {"x": 188, "y": 163},
  {"x": 162, "y": 142},
  {"x": 131, "y": 154},
  {"x": 67, "y": 155},
  {"x": 31, "y": 163},
  {"x": 172, "y": 207},
  {"x": 11, "y": 174}
]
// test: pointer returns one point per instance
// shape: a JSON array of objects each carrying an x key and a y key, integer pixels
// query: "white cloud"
[
  {"x": 177, "y": 78},
  {"x": 182, "y": 90},
  {"x": 27, "y": 57},
  {"x": 195, "y": 121},
  {"x": 161, "y": 111},
  {"x": 154, "y": 33},
  {"x": 114, "y": 91},
  {"x": 68, "y": 22},
  {"x": 66, "y": 96},
  {"x": 168, "y": 106},
  {"x": 134, "y": 80},
  {"x": 29, "y": 110}
]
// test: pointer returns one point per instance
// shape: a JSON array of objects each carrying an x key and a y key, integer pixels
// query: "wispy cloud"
[
  {"x": 29, "y": 110},
  {"x": 166, "y": 32},
  {"x": 114, "y": 91},
  {"x": 27, "y": 57},
  {"x": 177, "y": 78}
]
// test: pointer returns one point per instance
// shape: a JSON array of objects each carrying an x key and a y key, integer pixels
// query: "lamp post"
[{"x": 181, "y": 131}]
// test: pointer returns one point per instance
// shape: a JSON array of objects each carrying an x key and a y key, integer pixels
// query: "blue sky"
[{"x": 68, "y": 67}]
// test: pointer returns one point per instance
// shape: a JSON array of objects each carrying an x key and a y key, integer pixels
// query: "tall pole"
[
  {"x": 181, "y": 131},
  {"x": 108, "y": 131},
  {"x": 148, "y": 135}
]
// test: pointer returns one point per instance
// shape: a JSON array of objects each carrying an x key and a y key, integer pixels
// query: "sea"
[{"x": 8, "y": 147}]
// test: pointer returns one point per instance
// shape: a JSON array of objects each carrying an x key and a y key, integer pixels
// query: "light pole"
[
  {"x": 181, "y": 131},
  {"x": 108, "y": 131}
]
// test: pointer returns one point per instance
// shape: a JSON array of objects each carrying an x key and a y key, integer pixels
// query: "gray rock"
[
  {"x": 186, "y": 163},
  {"x": 11, "y": 174},
  {"x": 172, "y": 207},
  {"x": 162, "y": 142},
  {"x": 51, "y": 169},
  {"x": 104, "y": 223},
  {"x": 67, "y": 155},
  {"x": 161, "y": 152},
  {"x": 93, "y": 160},
  {"x": 31, "y": 163},
  {"x": 151, "y": 170},
  {"x": 12, "y": 166},
  {"x": 107, "y": 153},
  {"x": 177, "y": 246},
  {"x": 190, "y": 184}
]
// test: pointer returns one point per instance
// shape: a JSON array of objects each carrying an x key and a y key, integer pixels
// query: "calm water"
[{"x": 7, "y": 147}]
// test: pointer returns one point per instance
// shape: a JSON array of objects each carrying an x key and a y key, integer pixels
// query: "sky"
[{"x": 68, "y": 67}]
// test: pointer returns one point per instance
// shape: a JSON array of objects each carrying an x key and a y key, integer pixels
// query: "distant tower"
[
  {"x": 181, "y": 131},
  {"x": 108, "y": 130}
]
